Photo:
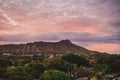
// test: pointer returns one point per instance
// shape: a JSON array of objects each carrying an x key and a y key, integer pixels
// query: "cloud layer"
[{"x": 90, "y": 23}]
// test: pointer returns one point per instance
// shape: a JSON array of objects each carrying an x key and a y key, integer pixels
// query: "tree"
[
  {"x": 5, "y": 63},
  {"x": 75, "y": 59},
  {"x": 58, "y": 64},
  {"x": 17, "y": 73},
  {"x": 35, "y": 69},
  {"x": 54, "y": 75},
  {"x": 2, "y": 72},
  {"x": 104, "y": 68},
  {"x": 113, "y": 61}
]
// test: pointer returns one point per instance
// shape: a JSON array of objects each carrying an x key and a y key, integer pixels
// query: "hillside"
[{"x": 63, "y": 46}]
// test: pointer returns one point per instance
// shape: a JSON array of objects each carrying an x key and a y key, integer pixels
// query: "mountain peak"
[
  {"x": 65, "y": 41},
  {"x": 63, "y": 46}
]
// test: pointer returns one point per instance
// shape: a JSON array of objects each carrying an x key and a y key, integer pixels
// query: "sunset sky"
[{"x": 93, "y": 24}]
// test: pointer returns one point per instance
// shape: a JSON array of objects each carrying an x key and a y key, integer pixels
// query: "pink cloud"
[
  {"x": 38, "y": 17},
  {"x": 104, "y": 47},
  {"x": 81, "y": 27}
]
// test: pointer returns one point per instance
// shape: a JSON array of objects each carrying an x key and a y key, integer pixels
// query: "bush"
[
  {"x": 2, "y": 72},
  {"x": 35, "y": 69},
  {"x": 17, "y": 73},
  {"x": 5, "y": 63},
  {"x": 54, "y": 75},
  {"x": 75, "y": 59},
  {"x": 58, "y": 64}
]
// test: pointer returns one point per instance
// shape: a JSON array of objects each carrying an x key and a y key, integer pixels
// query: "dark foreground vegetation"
[{"x": 67, "y": 67}]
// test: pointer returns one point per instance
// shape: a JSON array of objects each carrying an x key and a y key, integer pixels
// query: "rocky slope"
[{"x": 63, "y": 46}]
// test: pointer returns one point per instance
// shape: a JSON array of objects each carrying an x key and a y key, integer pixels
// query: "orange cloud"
[{"x": 104, "y": 47}]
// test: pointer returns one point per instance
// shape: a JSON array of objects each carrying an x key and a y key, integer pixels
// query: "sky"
[{"x": 93, "y": 24}]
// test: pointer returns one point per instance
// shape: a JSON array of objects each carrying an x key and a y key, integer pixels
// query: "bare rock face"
[{"x": 63, "y": 46}]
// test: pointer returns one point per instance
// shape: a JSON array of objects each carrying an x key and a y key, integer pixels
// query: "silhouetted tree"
[{"x": 75, "y": 59}]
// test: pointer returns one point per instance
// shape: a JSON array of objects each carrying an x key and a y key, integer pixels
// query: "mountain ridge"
[{"x": 63, "y": 46}]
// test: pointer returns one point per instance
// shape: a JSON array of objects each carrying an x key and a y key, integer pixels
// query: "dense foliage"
[
  {"x": 67, "y": 67},
  {"x": 35, "y": 69},
  {"x": 113, "y": 61},
  {"x": 75, "y": 59},
  {"x": 54, "y": 75}
]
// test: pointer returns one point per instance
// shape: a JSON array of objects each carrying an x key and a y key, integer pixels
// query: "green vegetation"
[
  {"x": 54, "y": 75},
  {"x": 67, "y": 67},
  {"x": 34, "y": 69},
  {"x": 75, "y": 59},
  {"x": 17, "y": 73}
]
